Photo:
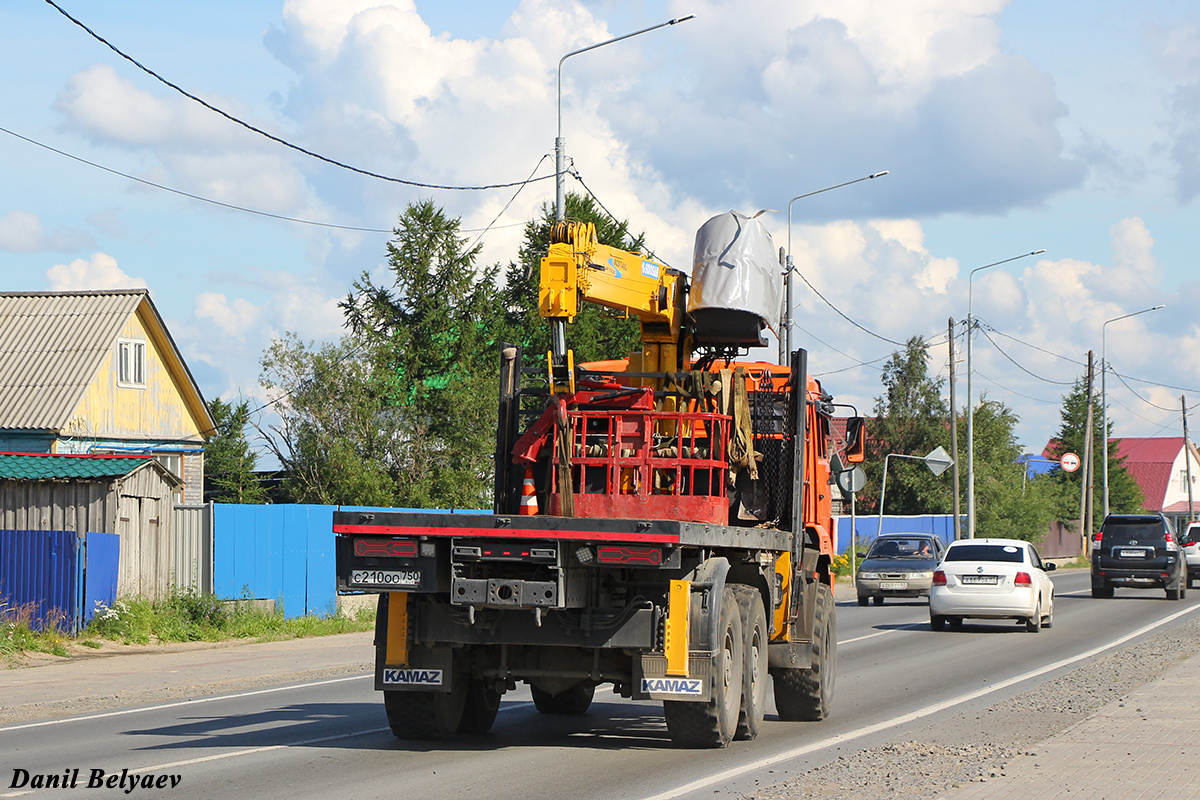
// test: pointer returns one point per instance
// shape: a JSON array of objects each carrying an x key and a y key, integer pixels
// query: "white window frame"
[{"x": 131, "y": 363}]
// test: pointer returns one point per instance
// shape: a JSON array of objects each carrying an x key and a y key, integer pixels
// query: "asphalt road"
[{"x": 329, "y": 738}]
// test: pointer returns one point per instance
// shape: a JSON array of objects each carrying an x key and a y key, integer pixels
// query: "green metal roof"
[{"x": 44, "y": 467}]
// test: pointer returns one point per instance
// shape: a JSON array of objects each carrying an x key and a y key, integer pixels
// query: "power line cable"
[
  {"x": 270, "y": 136},
  {"x": 1035, "y": 347},
  {"x": 1145, "y": 419},
  {"x": 984, "y": 328},
  {"x": 1010, "y": 390},
  {"x": 230, "y": 206},
  {"x": 1135, "y": 393},
  {"x": 1156, "y": 383},
  {"x": 574, "y": 173},
  {"x": 813, "y": 336},
  {"x": 462, "y": 258},
  {"x": 842, "y": 315}
]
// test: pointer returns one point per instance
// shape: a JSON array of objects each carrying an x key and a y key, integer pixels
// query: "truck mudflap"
[
  {"x": 683, "y": 671},
  {"x": 652, "y": 682},
  {"x": 398, "y": 665}
]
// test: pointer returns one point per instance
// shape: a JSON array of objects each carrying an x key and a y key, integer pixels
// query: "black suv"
[{"x": 1137, "y": 550}]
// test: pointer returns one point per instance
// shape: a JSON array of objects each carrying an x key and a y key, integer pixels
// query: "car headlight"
[
  {"x": 868, "y": 576},
  {"x": 928, "y": 574}
]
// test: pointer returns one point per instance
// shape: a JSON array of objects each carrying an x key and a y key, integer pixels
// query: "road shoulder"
[{"x": 85, "y": 685}]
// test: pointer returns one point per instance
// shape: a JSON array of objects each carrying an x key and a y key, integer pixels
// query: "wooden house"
[{"x": 97, "y": 372}]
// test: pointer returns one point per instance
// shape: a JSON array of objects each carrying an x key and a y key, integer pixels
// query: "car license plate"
[
  {"x": 893, "y": 585},
  {"x": 1131, "y": 553},
  {"x": 399, "y": 579},
  {"x": 979, "y": 580}
]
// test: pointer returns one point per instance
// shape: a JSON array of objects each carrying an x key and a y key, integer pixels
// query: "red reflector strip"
[
  {"x": 385, "y": 548},
  {"x": 497, "y": 533},
  {"x": 642, "y": 556}
]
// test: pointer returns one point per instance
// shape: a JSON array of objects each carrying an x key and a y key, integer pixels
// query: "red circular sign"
[{"x": 1069, "y": 462}]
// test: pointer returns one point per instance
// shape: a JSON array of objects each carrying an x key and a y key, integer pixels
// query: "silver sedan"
[{"x": 898, "y": 565}]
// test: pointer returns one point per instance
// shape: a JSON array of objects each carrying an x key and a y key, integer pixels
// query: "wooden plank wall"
[
  {"x": 57, "y": 506},
  {"x": 147, "y": 546}
]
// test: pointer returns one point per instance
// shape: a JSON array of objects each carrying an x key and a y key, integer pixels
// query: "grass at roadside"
[{"x": 185, "y": 616}]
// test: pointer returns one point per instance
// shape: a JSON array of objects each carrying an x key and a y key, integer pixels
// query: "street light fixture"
[
  {"x": 1104, "y": 395},
  {"x": 970, "y": 408},
  {"x": 559, "y": 143},
  {"x": 785, "y": 328}
]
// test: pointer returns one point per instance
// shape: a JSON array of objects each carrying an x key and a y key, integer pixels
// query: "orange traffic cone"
[{"x": 529, "y": 504}]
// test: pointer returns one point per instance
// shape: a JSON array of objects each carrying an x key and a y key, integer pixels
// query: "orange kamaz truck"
[{"x": 662, "y": 522}]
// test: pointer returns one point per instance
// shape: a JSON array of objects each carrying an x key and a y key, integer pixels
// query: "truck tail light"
[
  {"x": 1098, "y": 537},
  {"x": 1170, "y": 538},
  {"x": 939, "y": 578},
  {"x": 1023, "y": 579},
  {"x": 635, "y": 556},
  {"x": 385, "y": 548}
]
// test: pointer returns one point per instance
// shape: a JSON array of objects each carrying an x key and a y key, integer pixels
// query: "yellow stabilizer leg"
[
  {"x": 679, "y": 602},
  {"x": 396, "y": 652}
]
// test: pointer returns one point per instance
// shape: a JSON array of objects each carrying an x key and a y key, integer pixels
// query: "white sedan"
[{"x": 992, "y": 579}]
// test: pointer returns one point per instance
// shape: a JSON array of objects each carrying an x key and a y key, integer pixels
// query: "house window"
[
  {"x": 131, "y": 362},
  {"x": 1183, "y": 481}
]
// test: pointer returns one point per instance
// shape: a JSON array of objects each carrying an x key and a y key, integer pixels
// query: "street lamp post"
[
  {"x": 785, "y": 327},
  {"x": 970, "y": 409},
  {"x": 560, "y": 143},
  {"x": 1104, "y": 395},
  {"x": 938, "y": 462}
]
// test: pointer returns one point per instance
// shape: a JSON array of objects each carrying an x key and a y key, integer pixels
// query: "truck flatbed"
[{"x": 507, "y": 526}]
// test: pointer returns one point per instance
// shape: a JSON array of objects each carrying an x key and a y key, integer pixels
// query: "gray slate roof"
[{"x": 51, "y": 346}]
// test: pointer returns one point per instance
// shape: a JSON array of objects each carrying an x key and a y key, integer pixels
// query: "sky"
[{"x": 1005, "y": 127}]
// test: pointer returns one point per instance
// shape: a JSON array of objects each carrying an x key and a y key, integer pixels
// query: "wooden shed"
[{"x": 131, "y": 496}]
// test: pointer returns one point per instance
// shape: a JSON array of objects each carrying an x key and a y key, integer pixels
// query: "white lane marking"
[
  {"x": 867, "y": 636},
  {"x": 234, "y": 754},
  {"x": 176, "y": 704},
  {"x": 796, "y": 752},
  {"x": 265, "y": 749}
]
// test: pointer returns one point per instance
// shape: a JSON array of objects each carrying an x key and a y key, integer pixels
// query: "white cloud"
[
  {"x": 232, "y": 317},
  {"x": 98, "y": 272},
  {"x": 22, "y": 232}
]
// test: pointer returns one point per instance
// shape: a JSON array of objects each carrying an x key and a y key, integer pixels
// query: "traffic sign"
[
  {"x": 1069, "y": 462},
  {"x": 938, "y": 461},
  {"x": 851, "y": 480}
]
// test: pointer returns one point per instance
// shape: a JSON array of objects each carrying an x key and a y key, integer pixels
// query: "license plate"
[
  {"x": 979, "y": 580},
  {"x": 399, "y": 579},
  {"x": 893, "y": 585},
  {"x": 1131, "y": 553}
]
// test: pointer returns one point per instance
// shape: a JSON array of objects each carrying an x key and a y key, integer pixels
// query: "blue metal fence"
[
  {"x": 868, "y": 527},
  {"x": 100, "y": 572},
  {"x": 281, "y": 552},
  {"x": 53, "y": 578}
]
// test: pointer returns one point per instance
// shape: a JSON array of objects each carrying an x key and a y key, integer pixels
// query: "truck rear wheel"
[
  {"x": 754, "y": 669},
  {"x": 425, "y": 715},
  {"x": 807, "y": 694},
  {"x": 480, "y": 708},
  {"x": 574, "y": 702},
  {"x": 714, "y": 723}
]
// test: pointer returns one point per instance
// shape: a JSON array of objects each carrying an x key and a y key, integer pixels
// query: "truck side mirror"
[{"x": 856, "y": 440}]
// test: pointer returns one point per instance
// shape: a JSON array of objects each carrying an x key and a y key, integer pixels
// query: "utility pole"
[
  {"x": 954, "y": 438},
  {"x": 1085, "y": 507},
  {"x": 1187, "y": 454}
]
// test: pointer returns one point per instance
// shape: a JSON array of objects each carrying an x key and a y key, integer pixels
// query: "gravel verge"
[{"x": 978, "y": 745}]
